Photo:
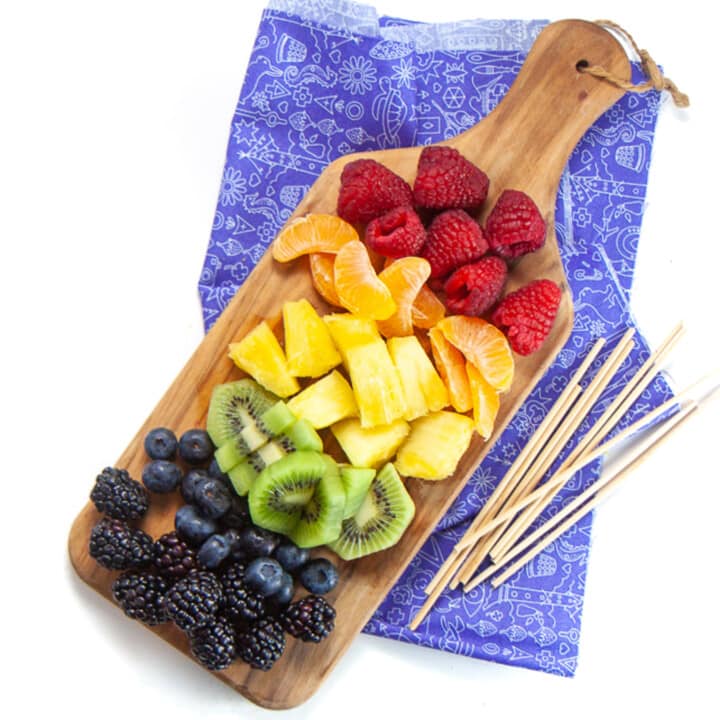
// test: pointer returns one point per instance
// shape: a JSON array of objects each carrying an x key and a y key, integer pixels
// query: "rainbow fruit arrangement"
[{"x": 311, "y": 446}]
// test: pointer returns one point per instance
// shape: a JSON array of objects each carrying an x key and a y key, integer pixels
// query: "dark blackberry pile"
[
  {"x": 261, "y": 644},
  {"x": 310, "y": 619},
  {"x": 194, "y": 600},
  {"x": 173, "y": 557},
  {"x": 213, "y": 644},
  {"x": 117, "y": 495},
  {"x": 241, "y": 605},
  {"x": 195, "y": 575},
  {"x": 117, "y": 546},
  {"x": 141, "y": 595}
]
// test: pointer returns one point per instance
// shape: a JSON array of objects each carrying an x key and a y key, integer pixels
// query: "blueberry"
[
  {"x": 161, "y": 444},
  {"x": 257, "y": 542},
  {"x": 161, "y": 476},
  {"x": 238, "y": 516},
  {"x": 264, "y": 575},
  {"x": 212, "y": 497},
  {"x": 233, "y": 537},
  {"x": 190, "y": 482},
  {"x": 213, "y": 551},
  {"x": 195, "y": 446},
  {"x": 290, "y": 556},
  {"x": 285, "y": 594},
  {"x": 193, "y": 526},
  {"x": 319, "y": 576}
]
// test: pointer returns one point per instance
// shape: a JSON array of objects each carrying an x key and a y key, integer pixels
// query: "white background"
[{"x": 112, "y": 141}]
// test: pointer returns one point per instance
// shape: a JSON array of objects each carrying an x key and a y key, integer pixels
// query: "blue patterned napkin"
[{"x": 331, "y": 77}]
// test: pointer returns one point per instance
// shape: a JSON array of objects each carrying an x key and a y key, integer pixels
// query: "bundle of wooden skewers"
[{"x": 497, "y": 543}]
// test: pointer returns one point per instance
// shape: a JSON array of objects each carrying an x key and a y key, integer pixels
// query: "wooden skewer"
[
  {"x": 604, "y": 480},
  {"x": 600, "y": 429},
  {"x": 518, "y": 468},
  {"x": 594, "y": 389},
  {"x": 567, "y": 524}
]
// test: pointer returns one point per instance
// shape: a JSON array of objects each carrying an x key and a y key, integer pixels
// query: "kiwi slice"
[
  {"x": 321, "y": 518},
  {"x": 236, "y": 407},
  {"x": 356, "y": 482},
  {"x": 270, "y": 424},
  {"x": 381, "y": 519},
  {"x": 282, "y": 489},
  {"x": 243, "y": 469}
]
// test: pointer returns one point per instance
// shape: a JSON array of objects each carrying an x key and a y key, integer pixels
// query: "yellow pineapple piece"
[
  {"x": 309, "y": 349},
  {"x": 325, "y": 402},
  {"x": 486, "y": 402},
  {"x": 435, "y": 445},
  {"x": 369, "y": 447},
  {"x": 348, "y": 330},
  {"x": 376, "y": 384},
  {"x": 259, "y": 355},
  {"x": 424, "y": 390}
]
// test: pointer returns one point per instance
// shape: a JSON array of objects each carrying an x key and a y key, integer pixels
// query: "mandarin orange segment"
[
  {"x": 486, "y": 402},
  {"x": 428, "y": 309},
  {"x": 322, "y": 271},
  {"x": 310, "y": 234},
  {"x": 483, "y": 345},
  {"x": 358, "y": 287},
  {"x": 451, "y": 365},
  {"x": 404, "y": 278}
]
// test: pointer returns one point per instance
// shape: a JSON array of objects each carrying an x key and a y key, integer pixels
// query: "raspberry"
[
  {"x": 445, "y": 179},
  {"x": 515, "y": 226},
  {"x": 396, "y": 234},
  {"x": 527, "y": 315},
  {"x": 474, "y": 288},
  {"x": 369, "y": 189},
  {"x": 453, "y": 239}
]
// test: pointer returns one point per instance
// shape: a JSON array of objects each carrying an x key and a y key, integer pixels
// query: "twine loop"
[{"x": 655, "y": 79}]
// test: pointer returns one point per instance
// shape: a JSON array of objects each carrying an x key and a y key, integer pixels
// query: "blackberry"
[
  {"x": 141, "y": 596},
  {"x": 116, "y": 494},
  {"x": 213, "y": 645},
  {"x": 310, "y": 619},
  {"x": 194, "y": 600},
  {"x": 261, "y": 644},
  {"x": 116, "y": 546},
  {"x": 173, "y": 557},
  {"x": 240, "y": 604}
]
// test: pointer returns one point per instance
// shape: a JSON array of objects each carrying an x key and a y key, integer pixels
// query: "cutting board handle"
[{"x": 551, "y": 104}]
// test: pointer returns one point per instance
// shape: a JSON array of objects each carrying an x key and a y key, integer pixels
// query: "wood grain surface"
[{"x": 523, "y": 144}]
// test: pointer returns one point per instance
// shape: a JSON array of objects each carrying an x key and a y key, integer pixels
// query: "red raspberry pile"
[{"x": 435, "y": 219}]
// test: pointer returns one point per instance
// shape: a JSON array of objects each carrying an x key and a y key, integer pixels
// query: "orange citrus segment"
[
  {"x": 486, "y": 402},
  {"x": 312, "y": 233},
  {"x": 404, "y": 278},
  {"x": 357, "y": 285},
  {"x": 451, "y": 365},
  {"x": 322, "y": 270},
  {"x": 428, "y": 309},
  {"x": 483, "y": 345}
]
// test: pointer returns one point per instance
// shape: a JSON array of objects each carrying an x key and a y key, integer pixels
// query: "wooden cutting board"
[{"x": 523, "y": 144}]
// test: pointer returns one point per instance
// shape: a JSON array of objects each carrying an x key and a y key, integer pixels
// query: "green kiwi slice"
[
  {"x": 236, "y": 407},
  {"x": 281, "y": 490},
  {"x": 356, "y": 482},
  {"x": 321, "y": 518},
  {"x": 383, "y": 516},
  {"x": 270, "y": 424}
]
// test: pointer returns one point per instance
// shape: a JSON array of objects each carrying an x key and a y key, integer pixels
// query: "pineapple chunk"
[
  {"x": 424, "y": 390},
  {"x": 486, "y": 402},
  {"x": 369, "y": 447},
  {"x": 348, "y": 330},
  {"x": 325, "y": 402},
  {"x": 259, "y": 355},
  {"x": 376, "y": 384},
  {"x": 309, "y": 349},
  {"x": 435, "y": 445}
]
